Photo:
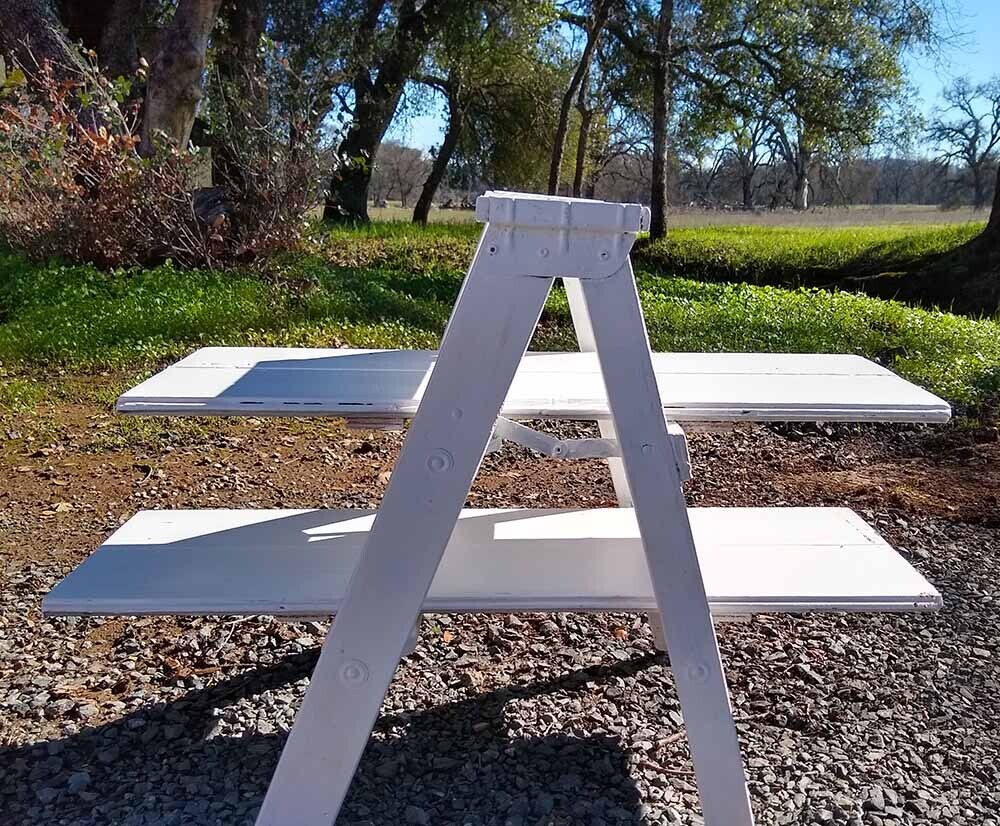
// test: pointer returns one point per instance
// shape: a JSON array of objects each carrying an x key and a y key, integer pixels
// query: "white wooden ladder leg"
[
  {"x": 626, "y": 363},
  {"x": 585, "y": 339},
  {"x": 487, "y": 335}
]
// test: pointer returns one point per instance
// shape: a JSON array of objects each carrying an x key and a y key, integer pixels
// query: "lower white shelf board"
[{"x": 299, "y": 562}]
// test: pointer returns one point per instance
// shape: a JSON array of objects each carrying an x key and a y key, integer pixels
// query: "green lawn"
[
  {"x": 393, "y": 285},
  {"x": 798, "y": 256}
]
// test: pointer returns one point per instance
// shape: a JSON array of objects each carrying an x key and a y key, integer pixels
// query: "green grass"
[
  {"x": 18, "y": 394},
  {"x": 798, "y": 256},
  {"x": 393, "y": 285}
]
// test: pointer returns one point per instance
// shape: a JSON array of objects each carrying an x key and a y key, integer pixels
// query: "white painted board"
[
  {"x": 264, "y": 381},
  {"x": 298, "y": 562}
]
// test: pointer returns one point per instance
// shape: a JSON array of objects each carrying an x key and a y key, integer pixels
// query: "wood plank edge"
[{"x": 124, "y": 607}]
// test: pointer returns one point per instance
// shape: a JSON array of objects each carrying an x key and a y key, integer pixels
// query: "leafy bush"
[
  {"x": 73, "y": 184},
  {"x": 266, "y": 164},
  {"x": 71, "y": 181}
]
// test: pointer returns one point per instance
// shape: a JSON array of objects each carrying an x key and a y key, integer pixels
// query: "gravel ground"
[{"x": 532, "y": 720}]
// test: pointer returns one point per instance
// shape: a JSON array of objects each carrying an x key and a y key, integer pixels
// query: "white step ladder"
[
  {"x": 527, "y": 242},
  {"x": 377, "y": 571}
]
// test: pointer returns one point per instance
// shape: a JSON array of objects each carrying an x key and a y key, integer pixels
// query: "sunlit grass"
[
  {"x": 393, "y": 285},
  {"x": 18, "y": 394},
  {"x": 795, "y": 256}
]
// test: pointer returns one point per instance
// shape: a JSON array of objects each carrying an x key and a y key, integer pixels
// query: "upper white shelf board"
[{"x": 388, "y": 384}]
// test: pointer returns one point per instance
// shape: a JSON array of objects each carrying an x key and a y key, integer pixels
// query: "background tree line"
[
  {"x": 723, "y": 176},
  {"x": 720, "y": 102}
]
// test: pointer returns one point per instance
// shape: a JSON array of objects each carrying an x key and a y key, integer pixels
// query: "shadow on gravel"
[{"x": 482, "y": 761}]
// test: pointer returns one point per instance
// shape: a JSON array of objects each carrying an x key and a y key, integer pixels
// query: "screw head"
[
  {"x": 354, "y": 672},
  {"x": 698, "y": 673},
  {"x": 440, "y": 461}
]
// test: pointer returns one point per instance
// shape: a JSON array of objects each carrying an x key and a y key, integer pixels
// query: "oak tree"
[
  {"x": 490, "y": 66},
  {"x": 966, "y": 131}
]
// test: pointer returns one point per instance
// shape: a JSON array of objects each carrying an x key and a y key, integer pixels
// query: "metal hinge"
[{"x": 550, "y": 446}]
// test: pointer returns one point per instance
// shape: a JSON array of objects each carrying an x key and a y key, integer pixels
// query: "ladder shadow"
[{"x": 461, "y": 762}]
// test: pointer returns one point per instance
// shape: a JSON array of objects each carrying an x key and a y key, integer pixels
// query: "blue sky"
[{"x": 975, "y": 52}]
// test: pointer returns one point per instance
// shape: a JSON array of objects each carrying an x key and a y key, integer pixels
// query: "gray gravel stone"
[
  {"x": 544, "y": 720},
  {"x": 78, "y": 781}
]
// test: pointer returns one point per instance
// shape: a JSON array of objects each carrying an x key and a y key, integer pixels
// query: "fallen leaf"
[{"x": 448, "y": 636}]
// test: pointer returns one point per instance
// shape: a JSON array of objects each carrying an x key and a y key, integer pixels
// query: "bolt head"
[
  {"x": 440, "y": 461},
  {"x": 354, "y": 672}
]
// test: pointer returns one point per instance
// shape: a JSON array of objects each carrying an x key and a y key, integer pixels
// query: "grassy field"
[
  {"x": 799, "y": 256},
  {"x": 393, "y": 285},
  {"x": 824, "y": 217}
]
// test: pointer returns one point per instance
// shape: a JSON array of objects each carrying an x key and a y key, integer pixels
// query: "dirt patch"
[
  {"x": 71, "y": 474},
  {"x": 951, "y": 472},
  {"x": 555, "y": 719}
]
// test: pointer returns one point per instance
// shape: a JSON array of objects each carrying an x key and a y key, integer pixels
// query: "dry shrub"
[
  {"x": 266, "y": 166},
  {"x": 73, "y": 185},
  {"x": 71, "y": 181}
]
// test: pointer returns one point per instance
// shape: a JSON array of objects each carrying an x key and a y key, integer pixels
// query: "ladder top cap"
[{"x": 522, "y": 209}]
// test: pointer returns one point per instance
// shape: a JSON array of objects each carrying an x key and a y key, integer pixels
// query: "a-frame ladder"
[{"x": 526, "y": 243}]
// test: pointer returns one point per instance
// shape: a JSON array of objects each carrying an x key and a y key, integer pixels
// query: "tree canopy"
[{"x": 761, "y": 104}]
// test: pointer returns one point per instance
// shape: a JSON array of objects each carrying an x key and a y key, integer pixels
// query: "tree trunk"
[
  {"x": 127, "y": 35},
  {"x": 978, "y": 188},
  {"x": 992, "y": 231},
  {"x": 237, "y": 60},
  {"x": 375, "y": 100},
  {"x": 746, "y": 181},
  {"x": 347, "y": 200},
  {"x": 661, "y": 118},
  {"x": 586, "y": 118},
  {"x": 243, "y": 87},
  {"x": 30, "y": 32},
  {"x": 559, "y": 143},
  {"x": 579, "y": 76},
  {"x": 118, "y": 30},
  {"x": 422, "y": 210},
  {"x": 175, "y": 76},
  {"x": 800, "y": 196}
]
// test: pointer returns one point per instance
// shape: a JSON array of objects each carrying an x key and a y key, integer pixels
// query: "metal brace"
[{"x": 511, "y": 431}]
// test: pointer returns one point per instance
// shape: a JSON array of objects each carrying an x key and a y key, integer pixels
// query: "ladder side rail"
[
  {"x": 584, "y": 329},
  {"x": 488, "y": 333},
  {"x": 661, "y": 512}
]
